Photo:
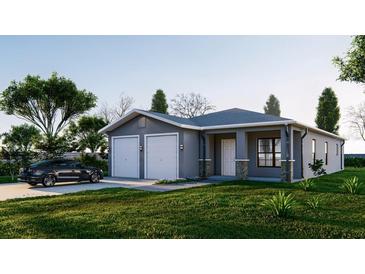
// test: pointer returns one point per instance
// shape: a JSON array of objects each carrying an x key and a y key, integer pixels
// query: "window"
[
  {"x": 313, "y": 150},
  {"x": 326, "y": 152},
  {"x": 269, "y": 152},
  {"x": 336, "y": 149}
]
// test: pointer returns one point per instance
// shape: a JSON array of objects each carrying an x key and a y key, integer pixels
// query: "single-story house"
[{"x": 233, "y": 142}]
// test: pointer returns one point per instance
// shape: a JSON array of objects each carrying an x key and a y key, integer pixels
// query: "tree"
[
  {"x": 356, "y": 118},
  {"x": 352, "y": 66},
  {"x": 328, "y": 111},
  {"x": 48, "y": 104},
  {"x": 190, "y": 105},
  {"x": 159, "y": 103},
  {"x": 84, "y": 133},
  {"x": 109, "y": 114},
  {"x": 19, "y": 146},
  {"x": 272, "y": 106}
]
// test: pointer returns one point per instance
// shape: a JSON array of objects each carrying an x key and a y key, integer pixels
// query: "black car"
[{"x": 48, "y": 172}]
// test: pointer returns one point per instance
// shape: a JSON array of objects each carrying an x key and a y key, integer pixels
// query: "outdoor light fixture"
[
  {"x": 181, "y": 147},
  {"x": 140, "y": 147}
]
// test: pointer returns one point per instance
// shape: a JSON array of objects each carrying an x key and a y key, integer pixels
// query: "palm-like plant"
[
  {"x": 280, "y": 204},
  {"x": 352, "y": 185},
  {"x": 306, "y": 184},
  {"x": 313, "y": 202}
]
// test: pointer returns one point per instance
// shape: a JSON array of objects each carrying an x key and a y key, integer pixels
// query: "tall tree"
[
  {"x": 159, "y": 103},
  {"x": 48, "y": 104},
  {"x": 352, "y": 66},
  {"x": 19, "y": 143},
  {"x": 190, "y": 105},
  {"x": 84, "y": 133},
  {"x": 328, "y": 111},
  {"x": 272, "y": 106}
]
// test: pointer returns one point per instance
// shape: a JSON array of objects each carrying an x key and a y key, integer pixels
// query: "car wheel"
[
  {"x": 32, "y": 184},
  {"x": 95, "y": 178},
  {"x": 49, "y": 180}
]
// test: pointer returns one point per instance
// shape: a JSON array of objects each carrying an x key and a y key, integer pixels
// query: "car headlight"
[{"x": 38, "y": 172}]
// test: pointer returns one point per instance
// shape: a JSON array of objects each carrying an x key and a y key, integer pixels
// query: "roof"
[{"x": 230, "y": 118}]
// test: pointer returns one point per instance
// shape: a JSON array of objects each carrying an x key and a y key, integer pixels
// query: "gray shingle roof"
[{"x": 225, "y": 117}]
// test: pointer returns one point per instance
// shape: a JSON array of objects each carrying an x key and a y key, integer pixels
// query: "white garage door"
[
  {"x": 126, "y": 156},
  {"x": 161, "y": 156}
]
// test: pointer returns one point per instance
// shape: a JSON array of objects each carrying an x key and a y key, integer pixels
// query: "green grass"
[
  {"x": 227, "y": 210},
  {"x": 7, "y": 179}
]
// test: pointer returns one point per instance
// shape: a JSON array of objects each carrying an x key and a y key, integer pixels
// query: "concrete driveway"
[{"x": 23, "y": 190}]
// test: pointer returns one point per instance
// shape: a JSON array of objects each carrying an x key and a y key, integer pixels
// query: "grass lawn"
[
  {"x": 227, "y": 210},
  {"x": 7, "y": 179}
]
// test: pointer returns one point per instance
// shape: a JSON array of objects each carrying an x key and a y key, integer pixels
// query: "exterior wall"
[
  {"x": 297, "y": 147},
  {"x": 334, "y": 161},
  {"x": 253, "y": 169},
  {"x": 188, "y": 157}
]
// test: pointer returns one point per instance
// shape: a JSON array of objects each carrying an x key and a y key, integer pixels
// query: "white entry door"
[
  {"x": 125, "y": 161},
  {"x": 161, "y": 156},
  {"x": 228, "y": 157}
]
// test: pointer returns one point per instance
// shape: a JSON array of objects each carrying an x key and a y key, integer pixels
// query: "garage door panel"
[
  {"x": 161, "y": 157},
  {"x": 126, "y": 157}
]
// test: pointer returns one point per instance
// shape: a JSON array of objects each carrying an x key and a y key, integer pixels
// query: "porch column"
[
  {"x": 205, "y": 160},
  {"x": 241, "y": 154},
  {"x": 287, "y": 159}
]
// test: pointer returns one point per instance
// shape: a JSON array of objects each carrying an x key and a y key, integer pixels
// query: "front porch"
[{"x": 260, "y": 154}]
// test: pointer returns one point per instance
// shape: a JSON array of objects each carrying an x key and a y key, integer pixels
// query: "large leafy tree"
[
  {"x": 328, "y": 111},
  {"x": 84, "y": 134},
  {"x": 49, "y": 104},
  {"x": 159, "y": 103},
  {"x": 272, "y": 106},
  {"x": 18, "y": 145},
  {"x": 352, "y": 66},
  {"x": 190, "y": 105}
]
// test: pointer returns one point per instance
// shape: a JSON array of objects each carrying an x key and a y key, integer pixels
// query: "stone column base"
[
  {"x": 205, "y": 168},
  {"x": 242, "y": 169},
  {"x": 287, "y": 169}
]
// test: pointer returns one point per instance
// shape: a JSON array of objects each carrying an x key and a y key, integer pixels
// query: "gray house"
[{"x": 234, "y": 142}]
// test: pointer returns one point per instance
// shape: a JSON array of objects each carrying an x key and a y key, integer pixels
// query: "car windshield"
[{"x": 40, "y": 163}]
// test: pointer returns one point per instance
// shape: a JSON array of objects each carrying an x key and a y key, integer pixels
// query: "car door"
[{"x": 67, "y": 172}]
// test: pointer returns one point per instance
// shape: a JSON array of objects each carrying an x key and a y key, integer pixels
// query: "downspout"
[
  {"x": 204, "y": 155},
  {"x": 342, "y": 153},
  {"x": 301, "y": 151},
  {"x": 287, "y": 144}
]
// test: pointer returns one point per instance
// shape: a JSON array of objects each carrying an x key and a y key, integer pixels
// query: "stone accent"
[
  {"x": 242, "y": 169},
  {"x": 205, "y": 168},
  {"x": 287, "y": 169}
]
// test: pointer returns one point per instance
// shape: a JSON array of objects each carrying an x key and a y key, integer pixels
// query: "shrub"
[
  {"x": 317, "y": 167},
  {"x": 352, "y": 185},
  {"x": 177, "y": 181},
  {"x": 313, "y": 202},
  {"x": 306, "y": 184},
  {"x": 280, "y": 204},
  {"x": 90, "y": 160},
  {"x": 355, "y": 162}
]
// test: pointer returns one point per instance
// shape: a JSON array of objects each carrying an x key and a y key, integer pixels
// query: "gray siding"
[
  {"x": 334, "y": 161},
  {"x": 188, "y": 157},
  {"x": 253, "y": 169}
]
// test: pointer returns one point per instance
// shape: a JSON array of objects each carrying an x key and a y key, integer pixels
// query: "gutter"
[
  {"x": 342, "y": 154},
  {"x": 301, "y": 151}
]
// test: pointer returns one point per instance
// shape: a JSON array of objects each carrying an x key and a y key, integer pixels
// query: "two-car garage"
[{"x": 158, "y": 156}]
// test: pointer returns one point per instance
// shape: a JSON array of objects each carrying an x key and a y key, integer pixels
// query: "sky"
[{"x": 231, "y": 71}]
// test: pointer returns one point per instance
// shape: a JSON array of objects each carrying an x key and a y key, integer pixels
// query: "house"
[{"x": 233, "y": 142}]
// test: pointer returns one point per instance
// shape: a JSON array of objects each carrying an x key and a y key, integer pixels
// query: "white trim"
[
  {"x": 177, "y": 151},
  {"x": 138, "y": 152},
  {"x": 284, "y": 122},
  {"x": 241, "y": 160}
]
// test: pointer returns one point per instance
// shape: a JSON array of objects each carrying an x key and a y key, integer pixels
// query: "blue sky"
[{"x": 232, "y": 71}]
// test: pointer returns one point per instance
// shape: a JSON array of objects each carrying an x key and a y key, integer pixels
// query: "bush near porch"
[{"x": 227, "y": 210}]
